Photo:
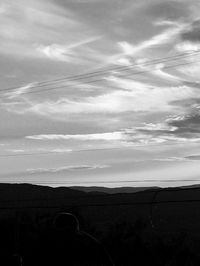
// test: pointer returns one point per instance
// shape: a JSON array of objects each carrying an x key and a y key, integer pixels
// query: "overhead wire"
[
  {"x": 101, "y": 204},
  {"x": 46, "y": 182},
  {"x": 86, "y": 76},
  {"x": 136, "y": 146},
  {"x": 121, "y": 68},
  {"x": 89, "y": 196},
  {"x": 130, "y": 74},
  {"x": 99, "y": 80},
  {"x": 152, "y": 202},
  {"x": 115, "y": 182},
  {"x": 154, "y": 190}
]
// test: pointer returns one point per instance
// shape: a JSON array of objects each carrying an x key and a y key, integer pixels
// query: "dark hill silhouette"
[
  {"x": 126, "y": 222},
  {"x": 115, "y": 190},
  {"x": 167, "y": 209},
  {"x": 29, "y": 191},
  {"x": 28, "y": 195}
]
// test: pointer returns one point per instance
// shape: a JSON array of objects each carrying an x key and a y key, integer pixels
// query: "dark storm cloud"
[
  {"x": 193, "y": 157},
  {"x": 192, "y": 34},
  {"x": 187, "y": 103},
  {"x": 192, "y": 84},
  {"x": 155, "y": 133},
  {"x": 177, "y": 128},
  {"x": 188, "y": 123},
  {"x": 168, "y": 10}
]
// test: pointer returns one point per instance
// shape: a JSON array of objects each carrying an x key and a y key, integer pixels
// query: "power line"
[
  {"x": 152, "y": 202},
  {"x": 89, "y": 196},
  {"x": 121, "y": 68},
  {"x": 117, "y": 181},
  {"x": 46, "y": 182},
  {"x": 99, "y": 80},
  {"x": 102, "y": 204},
  {"x": 32, "y": 154},
  {"x": 90, "y": 74},
  {"x": 86, "y": 76},
  {"x": 95, "y": 149},
  {"x": 112, "y": 148}
]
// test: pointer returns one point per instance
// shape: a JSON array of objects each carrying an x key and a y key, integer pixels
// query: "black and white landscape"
[{"x": 100, "y": 119}]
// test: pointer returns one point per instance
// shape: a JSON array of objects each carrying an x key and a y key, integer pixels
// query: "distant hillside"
[
  {"x": 112, "y": 190},
  {"x": 167, "y": 209},
  {"x": 29, "y": 191}
]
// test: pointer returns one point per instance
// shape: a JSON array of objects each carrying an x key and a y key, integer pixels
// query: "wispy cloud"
[
  {"x": 165, "y": 23},
  {"x": 156, "y": 127},
  {"x": 192, "y": 32},
  {"x": 19, "y": 91},
  {"x": 100, "y": 136},
  {"x": 15, "y": 150},
  {"x": 179, "y": 129},
  {"x": 170, "y": 159},
  {"x": 65, "y": 52},
  {"x": 187, "y": 125},
  {"x": 187, "y": 46},
  {"x": 193, "y": 157},
  {"x": 138, "y": 98},
  {"x": 49, "y": 40},
  {"x": 158, "y": 70},
  {"x": 30, "y": 30},
  {"x": 66, "y": 169},
  {"x": 56, "y": 52},
  {"x": 163, "y": 38},
  {"x": 38, "y": 151}
]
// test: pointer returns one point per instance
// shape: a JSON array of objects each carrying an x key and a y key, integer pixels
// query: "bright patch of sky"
[{"x": 135, "y": 117}]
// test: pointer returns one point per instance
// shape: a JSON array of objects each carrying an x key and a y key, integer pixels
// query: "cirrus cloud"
[
  {"x": 65, "y": 169},
  {"x": 100, "y": 136}
]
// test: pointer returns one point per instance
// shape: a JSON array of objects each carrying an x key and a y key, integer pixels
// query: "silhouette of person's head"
[{"x": 67, "y": 222}]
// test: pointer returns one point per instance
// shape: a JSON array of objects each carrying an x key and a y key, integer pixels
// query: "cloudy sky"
[{"x": 99, "y": 92}]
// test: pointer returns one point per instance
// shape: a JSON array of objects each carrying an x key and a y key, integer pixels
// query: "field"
[{"x": 160, "y": 226}]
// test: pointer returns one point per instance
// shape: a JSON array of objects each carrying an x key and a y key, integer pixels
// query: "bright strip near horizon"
[{"x": 96, "y": 92}]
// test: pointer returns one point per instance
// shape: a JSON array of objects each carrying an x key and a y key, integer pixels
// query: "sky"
[{"x": 97, "y": 92}]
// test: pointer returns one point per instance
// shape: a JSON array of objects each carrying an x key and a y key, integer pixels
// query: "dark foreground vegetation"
[{"x": 144, "y": 228}]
